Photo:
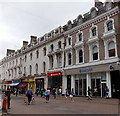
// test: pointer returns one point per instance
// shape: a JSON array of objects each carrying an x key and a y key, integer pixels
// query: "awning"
[
  {"x": 14, "y": 84},
  {"x": 22, "y": 85}
]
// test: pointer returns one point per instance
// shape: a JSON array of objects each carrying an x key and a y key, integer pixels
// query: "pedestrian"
[
  {"x": 66, "y": 94},
  {"x": 47, "y": 95},
  {"x": 54, "y": 93},
  {"x": 29, "y": 95},
  {"x": 8, "y": 95},
  {"x": 71, "y": 94},
  {"x": 107, "y": 92},
  {"x": 60, "y": 92},
  {"x": 89, "y": 94},
  {"x": 95, "y": 91},
  {"x": 37, "y": 92},
  {"x": 41, "y": 92}
]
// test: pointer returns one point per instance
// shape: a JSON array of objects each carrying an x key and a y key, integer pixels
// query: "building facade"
[{"x": 84, "y": 52}]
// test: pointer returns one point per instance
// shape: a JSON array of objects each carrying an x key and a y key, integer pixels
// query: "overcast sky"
[{"x": 19, "y": 20}]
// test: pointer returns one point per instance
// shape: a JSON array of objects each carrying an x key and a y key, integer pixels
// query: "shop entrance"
[
  {"x": 103, "y": 87},
  {"x": 96, "y": 83},
  {"x": 80, "y": 86},
  {"x": 115, "y": 84}
]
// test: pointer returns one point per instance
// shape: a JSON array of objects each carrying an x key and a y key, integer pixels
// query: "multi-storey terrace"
[{"x": 82, "y": 53}]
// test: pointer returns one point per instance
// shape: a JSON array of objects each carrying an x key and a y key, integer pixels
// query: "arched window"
[
  {"x": 80, "y": 37},
  {"x": 25, "y": 58},
  {"x": 69, "y": 41},
  {"x": 51, "y": 61},
  {"x": 30, "y": 69},
  {"x": 95, "y": 53},
  {"x": 52, "y": 47},
  {"x": 69, "y": 58},
  {"x": 93, "y": 30},
  {"x": 36, "y": 68},
  {"x": 37, "y": 54},
  {"x": 109, "y": 25},
  {"x": 59, "y": 44},
  {"x": 30, "y": 56},
  {"x": 111, "y": 49},
  {"x": 80, "y": 56}
]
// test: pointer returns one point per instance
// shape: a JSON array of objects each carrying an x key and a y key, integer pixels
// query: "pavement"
[{"x": 61, "y": 105}]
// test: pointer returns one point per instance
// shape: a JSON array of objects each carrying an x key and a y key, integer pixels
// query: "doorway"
[
  {"x": 115, "y": 83},
  {"x": 96, "y": 83}
]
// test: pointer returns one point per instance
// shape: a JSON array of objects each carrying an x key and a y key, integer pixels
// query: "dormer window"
[{"x": 108, "y": 5}]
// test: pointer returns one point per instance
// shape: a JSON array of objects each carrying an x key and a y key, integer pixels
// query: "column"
[
  {"x": 88, "y": 82},
  {"x": 73, "y": 82},
  {"x": 64, "y": 83},
  {"x": 108, "y": 80}
]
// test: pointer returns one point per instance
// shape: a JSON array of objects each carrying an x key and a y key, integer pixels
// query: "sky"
[{"x": 19, "y": 19}]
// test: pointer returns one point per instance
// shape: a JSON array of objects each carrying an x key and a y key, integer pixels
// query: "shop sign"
[
  {"x": 54, "y": 74},
  {"x": 17, "y": 81},
  {"x": 28, "y": 80},
  {"x": 86, "y": 70}
]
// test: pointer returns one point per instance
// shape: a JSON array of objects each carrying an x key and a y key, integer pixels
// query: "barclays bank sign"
[{"x": 86, "y": 70}]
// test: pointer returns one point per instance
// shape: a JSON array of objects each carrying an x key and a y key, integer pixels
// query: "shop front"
[
  {"x": 5, "y": 84},
  {"x": 30, "y": 83},
  {"x": 39, "y": 83},
  {"x": 96, "y": 77},
  {"x": 54, "y": 80}
]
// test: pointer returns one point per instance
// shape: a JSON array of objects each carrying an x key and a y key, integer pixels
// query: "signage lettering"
[{"x": 86, "y": 70}]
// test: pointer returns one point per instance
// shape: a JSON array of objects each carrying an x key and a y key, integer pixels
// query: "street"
[{"x": 63, "y": 106}]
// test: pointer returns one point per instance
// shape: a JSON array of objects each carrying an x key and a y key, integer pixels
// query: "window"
[
  {"x": 51, "y": 61},
  {"x": 30, "y": 69},
  {"x": 37, "y": 54},
  {"x": 80, "y": 56},
  {"x": 59, "y": 44},
  {"x": 59, "y": 60},
  {"x": 52, "y": 47},
  {"x": 93, "y": 31},
  {"x": 109, "y": 25},
  {"x": 95, "y": 53},
  {"x": 80, "y": 37},
  {"x": 30, "y": 56},
  {"x": 16, "y": 61},
  {"x": 44, "y": 51},
  {"x": 69, "y": 41},
  {"x": 69, "y": 58},
  {"x": 44, "y": 67},
  {"x": 24, "y": 70},
  {"x": 25, "y": 58},
  {"x": 20, "y": 60},
  {"x": 36, "y": 68},
  {"x": 111, "y": 49}
]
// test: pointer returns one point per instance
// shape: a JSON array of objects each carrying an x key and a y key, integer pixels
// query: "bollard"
[{"x": 5, "y": 103}]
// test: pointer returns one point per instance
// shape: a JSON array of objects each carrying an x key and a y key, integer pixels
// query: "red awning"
[{"x": 22, "y": 85}]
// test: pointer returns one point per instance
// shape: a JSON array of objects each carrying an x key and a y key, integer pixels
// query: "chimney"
[
  {"x": 9, "y": 51},
  {"x": 33, "y": 39},
  {"x": 98, "y": 3},
  {"x": 25, "y": 43}
]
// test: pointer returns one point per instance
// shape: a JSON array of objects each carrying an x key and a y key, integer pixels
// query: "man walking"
[
  {"x": 8, "y": 94},
  {"x": 29, "y": 95}
]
